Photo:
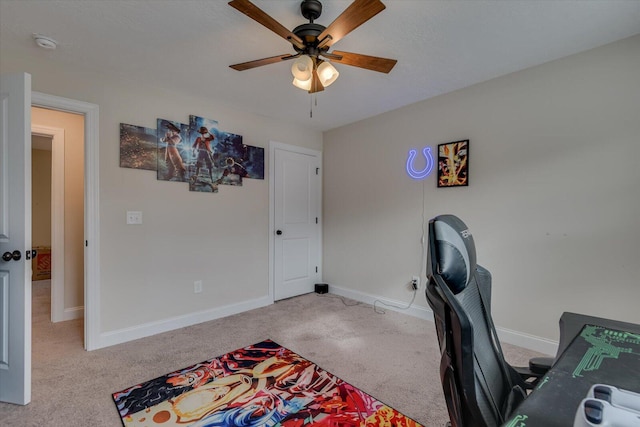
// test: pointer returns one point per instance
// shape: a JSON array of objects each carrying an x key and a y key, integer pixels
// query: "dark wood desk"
[{"x": 592, "y": 350}]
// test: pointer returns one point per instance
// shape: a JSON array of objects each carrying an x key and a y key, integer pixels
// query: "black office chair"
[{"x": 481, "y": 389}]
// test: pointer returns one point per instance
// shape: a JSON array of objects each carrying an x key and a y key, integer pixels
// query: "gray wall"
[
  {"x": 553, "y": 200},
  {"x": 147, "y": 272},
  {"x": 41, "y": 195}
]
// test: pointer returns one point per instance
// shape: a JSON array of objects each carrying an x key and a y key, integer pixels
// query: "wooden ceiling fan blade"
[
  {"x": 316, "y": 86},
  {"x": 358, "y": 12},
  {"x": 374, "y": 63},
  {"x": 258, "y": 15},
  {"x": 260, "y": 62}
]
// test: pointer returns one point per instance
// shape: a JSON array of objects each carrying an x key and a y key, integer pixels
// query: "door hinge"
[
  {"x": 86, "y": 243},
  {"x": 316, "y": 268},
  {"x": 316, "y": 220},
  {"x": 317, "y": 171}
]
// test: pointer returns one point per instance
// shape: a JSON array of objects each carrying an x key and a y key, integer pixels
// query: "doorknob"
[
  {"x": 8, "y": 256},
  {"x": 279, "y": 232}
]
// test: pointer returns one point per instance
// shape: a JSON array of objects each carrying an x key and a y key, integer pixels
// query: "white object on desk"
[
  {"x": 617, "y": 397},
  {"x": 608, "y": 406}
]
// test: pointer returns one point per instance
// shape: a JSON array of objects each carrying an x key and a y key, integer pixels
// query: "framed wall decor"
[{"x": 453, "y": 164}]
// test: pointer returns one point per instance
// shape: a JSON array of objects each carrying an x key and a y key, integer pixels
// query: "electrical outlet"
[
  {"x": 415, "y": 282},
  {"x": 197, "y": 286}
]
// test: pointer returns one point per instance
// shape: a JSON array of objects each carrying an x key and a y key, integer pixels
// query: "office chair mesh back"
[{"x": 476, "y": 381}]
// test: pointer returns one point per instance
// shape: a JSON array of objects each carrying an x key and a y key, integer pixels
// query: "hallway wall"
[
  {"x": 41, "y": 196},
  {"x": 73, "y": 125}
]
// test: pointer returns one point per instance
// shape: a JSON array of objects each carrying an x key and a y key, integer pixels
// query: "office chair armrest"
[
  {"x": 540, "y": 365},
  {"x": 530, "y": 375}
]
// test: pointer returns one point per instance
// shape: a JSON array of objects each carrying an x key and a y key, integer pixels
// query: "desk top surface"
[{"x": 598, "y": 354}]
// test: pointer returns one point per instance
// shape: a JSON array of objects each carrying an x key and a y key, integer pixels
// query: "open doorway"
[
  {"x": 17, "y": 113},
  {"x": 58, "y": 212},
  {"x": 90, "y": 113}
]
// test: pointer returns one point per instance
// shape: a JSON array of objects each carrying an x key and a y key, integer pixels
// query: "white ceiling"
[{"x": 440, "y": 45}]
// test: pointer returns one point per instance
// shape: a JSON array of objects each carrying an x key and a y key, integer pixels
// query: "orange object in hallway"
[{"x": 41, "y": 265}]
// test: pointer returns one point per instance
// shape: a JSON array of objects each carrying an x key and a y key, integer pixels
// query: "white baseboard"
[
  {"x": 531, "y": 342},
  {"x": 120, "y": 336},
  {"x": 520, "y": 339},
  {"x": 152, "y": 328},
  {"x": 73, "y": 313},
  {"x": 384, "y": 303}
]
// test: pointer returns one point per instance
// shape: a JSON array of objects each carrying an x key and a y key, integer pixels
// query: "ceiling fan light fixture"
[
  {"x": 303, "y": 84},
  {"x": 327, "y": 73},
  {"x": 311, "y": 40},
  {"x": 302, "y": 68}
]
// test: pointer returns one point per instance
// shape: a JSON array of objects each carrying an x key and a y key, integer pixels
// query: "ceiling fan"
[{"x": 311, "y": 69}]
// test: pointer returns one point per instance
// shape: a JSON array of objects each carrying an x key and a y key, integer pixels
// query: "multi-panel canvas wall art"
[{"x": 198, "y": 153}]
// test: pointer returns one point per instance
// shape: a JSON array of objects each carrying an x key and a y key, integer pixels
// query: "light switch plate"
[{"x": 134, "y": 217}]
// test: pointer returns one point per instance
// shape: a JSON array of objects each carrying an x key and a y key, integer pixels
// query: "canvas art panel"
[
  {"x": 202, "y": 173},
  {"x": 453, "y": 164},
  {"x": 137, "y": 147},
  {"x": 172, "y": 151},
  {"x": 253, "y": 162},
  {"x": 228, "y": 158},
  {"x": 237, "y": 160}
]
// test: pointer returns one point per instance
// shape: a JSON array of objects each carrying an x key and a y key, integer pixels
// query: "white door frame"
[
  {"x": 91, "y": 208},
  {"x": 273, "y": 146},
  {"x": 57, "y": 217}
]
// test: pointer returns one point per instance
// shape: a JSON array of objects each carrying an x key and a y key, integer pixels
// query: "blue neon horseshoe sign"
[{"x": 420, "y": 174}]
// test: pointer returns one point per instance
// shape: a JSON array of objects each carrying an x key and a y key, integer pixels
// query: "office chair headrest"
[{"x": 456, "y": 251}]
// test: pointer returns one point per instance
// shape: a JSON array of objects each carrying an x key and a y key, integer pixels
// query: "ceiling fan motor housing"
[
  {"x": 309, "y": 34},
  {"x": 311, "y": 9}
]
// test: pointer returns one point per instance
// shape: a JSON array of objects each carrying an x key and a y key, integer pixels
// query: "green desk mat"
[{"x": 598, "y": 355}]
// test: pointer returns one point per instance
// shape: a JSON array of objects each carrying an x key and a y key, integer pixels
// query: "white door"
[
  {"x": 15, "y": 238},
  {"x": 296, "y": 221}
]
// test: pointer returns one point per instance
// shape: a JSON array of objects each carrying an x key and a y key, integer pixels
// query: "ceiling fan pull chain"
[{"x": 310, "y": 106}]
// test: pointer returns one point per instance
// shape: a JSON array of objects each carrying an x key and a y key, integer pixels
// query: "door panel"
[
  {"x": 4, "y": 319},
  {"x": 296, "y": 259},
  {"x": 15, "y": 235},
  {"x": 296, "y": 213}
]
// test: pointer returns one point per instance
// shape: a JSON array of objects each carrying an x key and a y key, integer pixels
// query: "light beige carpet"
[{"x": 392, "y": 356}]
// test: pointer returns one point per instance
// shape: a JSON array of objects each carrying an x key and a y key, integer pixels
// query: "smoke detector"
[{"x": 45, "y": 42}]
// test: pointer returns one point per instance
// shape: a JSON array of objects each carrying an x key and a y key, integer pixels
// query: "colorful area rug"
[{"x": 264, "y": 384}]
